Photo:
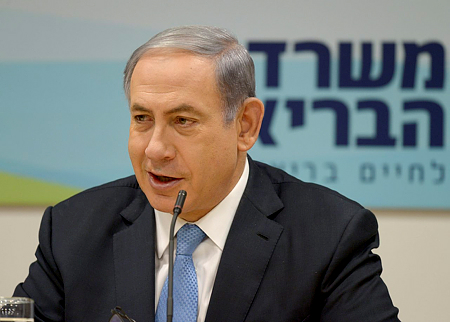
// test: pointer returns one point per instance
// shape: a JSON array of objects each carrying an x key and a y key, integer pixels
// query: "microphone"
[{"x": 177, "y": 208}]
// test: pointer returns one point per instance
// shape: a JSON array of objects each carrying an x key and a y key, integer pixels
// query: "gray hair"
[{"x": 235, "y": 71}]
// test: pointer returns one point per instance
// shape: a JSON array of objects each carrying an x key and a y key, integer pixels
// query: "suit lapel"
[
  {"x": 247, "y": 252},
  {"x": 134, "y": 261}
]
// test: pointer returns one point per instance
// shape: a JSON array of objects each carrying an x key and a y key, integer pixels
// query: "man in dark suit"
[{"x": 276, "y": 248}]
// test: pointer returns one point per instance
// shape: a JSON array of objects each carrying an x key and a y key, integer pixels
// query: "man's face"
[{"x": 178, "y": 139}]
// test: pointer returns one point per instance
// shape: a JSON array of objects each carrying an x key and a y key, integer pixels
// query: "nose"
[{"x": 160, "y": 146}]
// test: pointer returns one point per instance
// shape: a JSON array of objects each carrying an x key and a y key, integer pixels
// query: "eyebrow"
[
  {"x": 182, "y": 108},
  {"x": 137, "y": 107},
  {"x": 177, "y": 109}
]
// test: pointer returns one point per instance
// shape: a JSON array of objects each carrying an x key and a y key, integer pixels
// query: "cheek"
[
  {"x": 219, "y": 155},
  {"x": 136, "y": 148}
]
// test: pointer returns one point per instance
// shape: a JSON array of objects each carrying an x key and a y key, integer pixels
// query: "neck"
[{"x": 196, "y": 215}]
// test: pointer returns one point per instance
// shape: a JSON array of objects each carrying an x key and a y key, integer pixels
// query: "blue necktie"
[{"x": 185, "y": 289}]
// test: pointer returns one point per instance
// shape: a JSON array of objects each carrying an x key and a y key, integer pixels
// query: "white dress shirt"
[{"x": 216, "y": 225}]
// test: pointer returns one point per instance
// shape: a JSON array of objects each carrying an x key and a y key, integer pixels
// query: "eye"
[
  {"x": 184, "y": 121},
  {"x": 141, "y": 118}
]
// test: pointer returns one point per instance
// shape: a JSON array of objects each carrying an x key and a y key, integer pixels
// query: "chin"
[
  {"x": 161, "y": 203},
  {"x": 163, "y": 208}
]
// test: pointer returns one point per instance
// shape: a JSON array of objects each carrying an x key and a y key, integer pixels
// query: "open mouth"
[{"x": 163, "y": 179}]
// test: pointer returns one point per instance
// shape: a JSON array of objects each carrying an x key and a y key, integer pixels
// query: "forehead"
[
  {"x": 174, "y": 68},
  {"x": 166, "y": 81}
]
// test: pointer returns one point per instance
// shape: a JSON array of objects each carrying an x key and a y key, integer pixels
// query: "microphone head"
[{"x": 179, "y": 203}]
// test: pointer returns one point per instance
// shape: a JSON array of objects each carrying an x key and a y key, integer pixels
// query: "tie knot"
[{"x": 188, "y": 238}]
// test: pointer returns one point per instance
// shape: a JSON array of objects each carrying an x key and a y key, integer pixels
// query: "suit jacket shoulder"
[
  {"x": 90, "y": 246},
  {"x": 298, "y": 251},
  {"x": 283, "y": 181}
]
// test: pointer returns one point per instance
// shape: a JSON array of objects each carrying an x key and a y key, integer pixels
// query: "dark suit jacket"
[{"x": 295, "y": 252}]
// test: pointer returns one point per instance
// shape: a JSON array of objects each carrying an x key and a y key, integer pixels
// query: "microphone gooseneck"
[{"x": 177, "y": 208}]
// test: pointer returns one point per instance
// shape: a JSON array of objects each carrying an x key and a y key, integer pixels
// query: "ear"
[{"x": 249, "y": 118}]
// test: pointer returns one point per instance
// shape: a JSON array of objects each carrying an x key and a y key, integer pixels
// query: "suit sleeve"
[
  {"x": 44, "y": 283},
  {"x": 353, "y": 288}
]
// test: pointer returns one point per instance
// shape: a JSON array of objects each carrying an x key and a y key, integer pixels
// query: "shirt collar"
[{"x": 216, "y": 224}]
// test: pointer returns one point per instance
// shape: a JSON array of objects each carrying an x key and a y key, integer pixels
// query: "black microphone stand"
[{"x": 176, "y": 211}]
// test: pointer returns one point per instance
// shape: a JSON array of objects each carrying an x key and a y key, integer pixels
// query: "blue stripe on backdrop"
[{"x": 67, "y": 122}]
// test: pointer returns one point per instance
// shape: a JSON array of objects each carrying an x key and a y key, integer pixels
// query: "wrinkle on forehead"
[
  {"x": 171, "y": 75},
  {"x": 157, "y": 89}
]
